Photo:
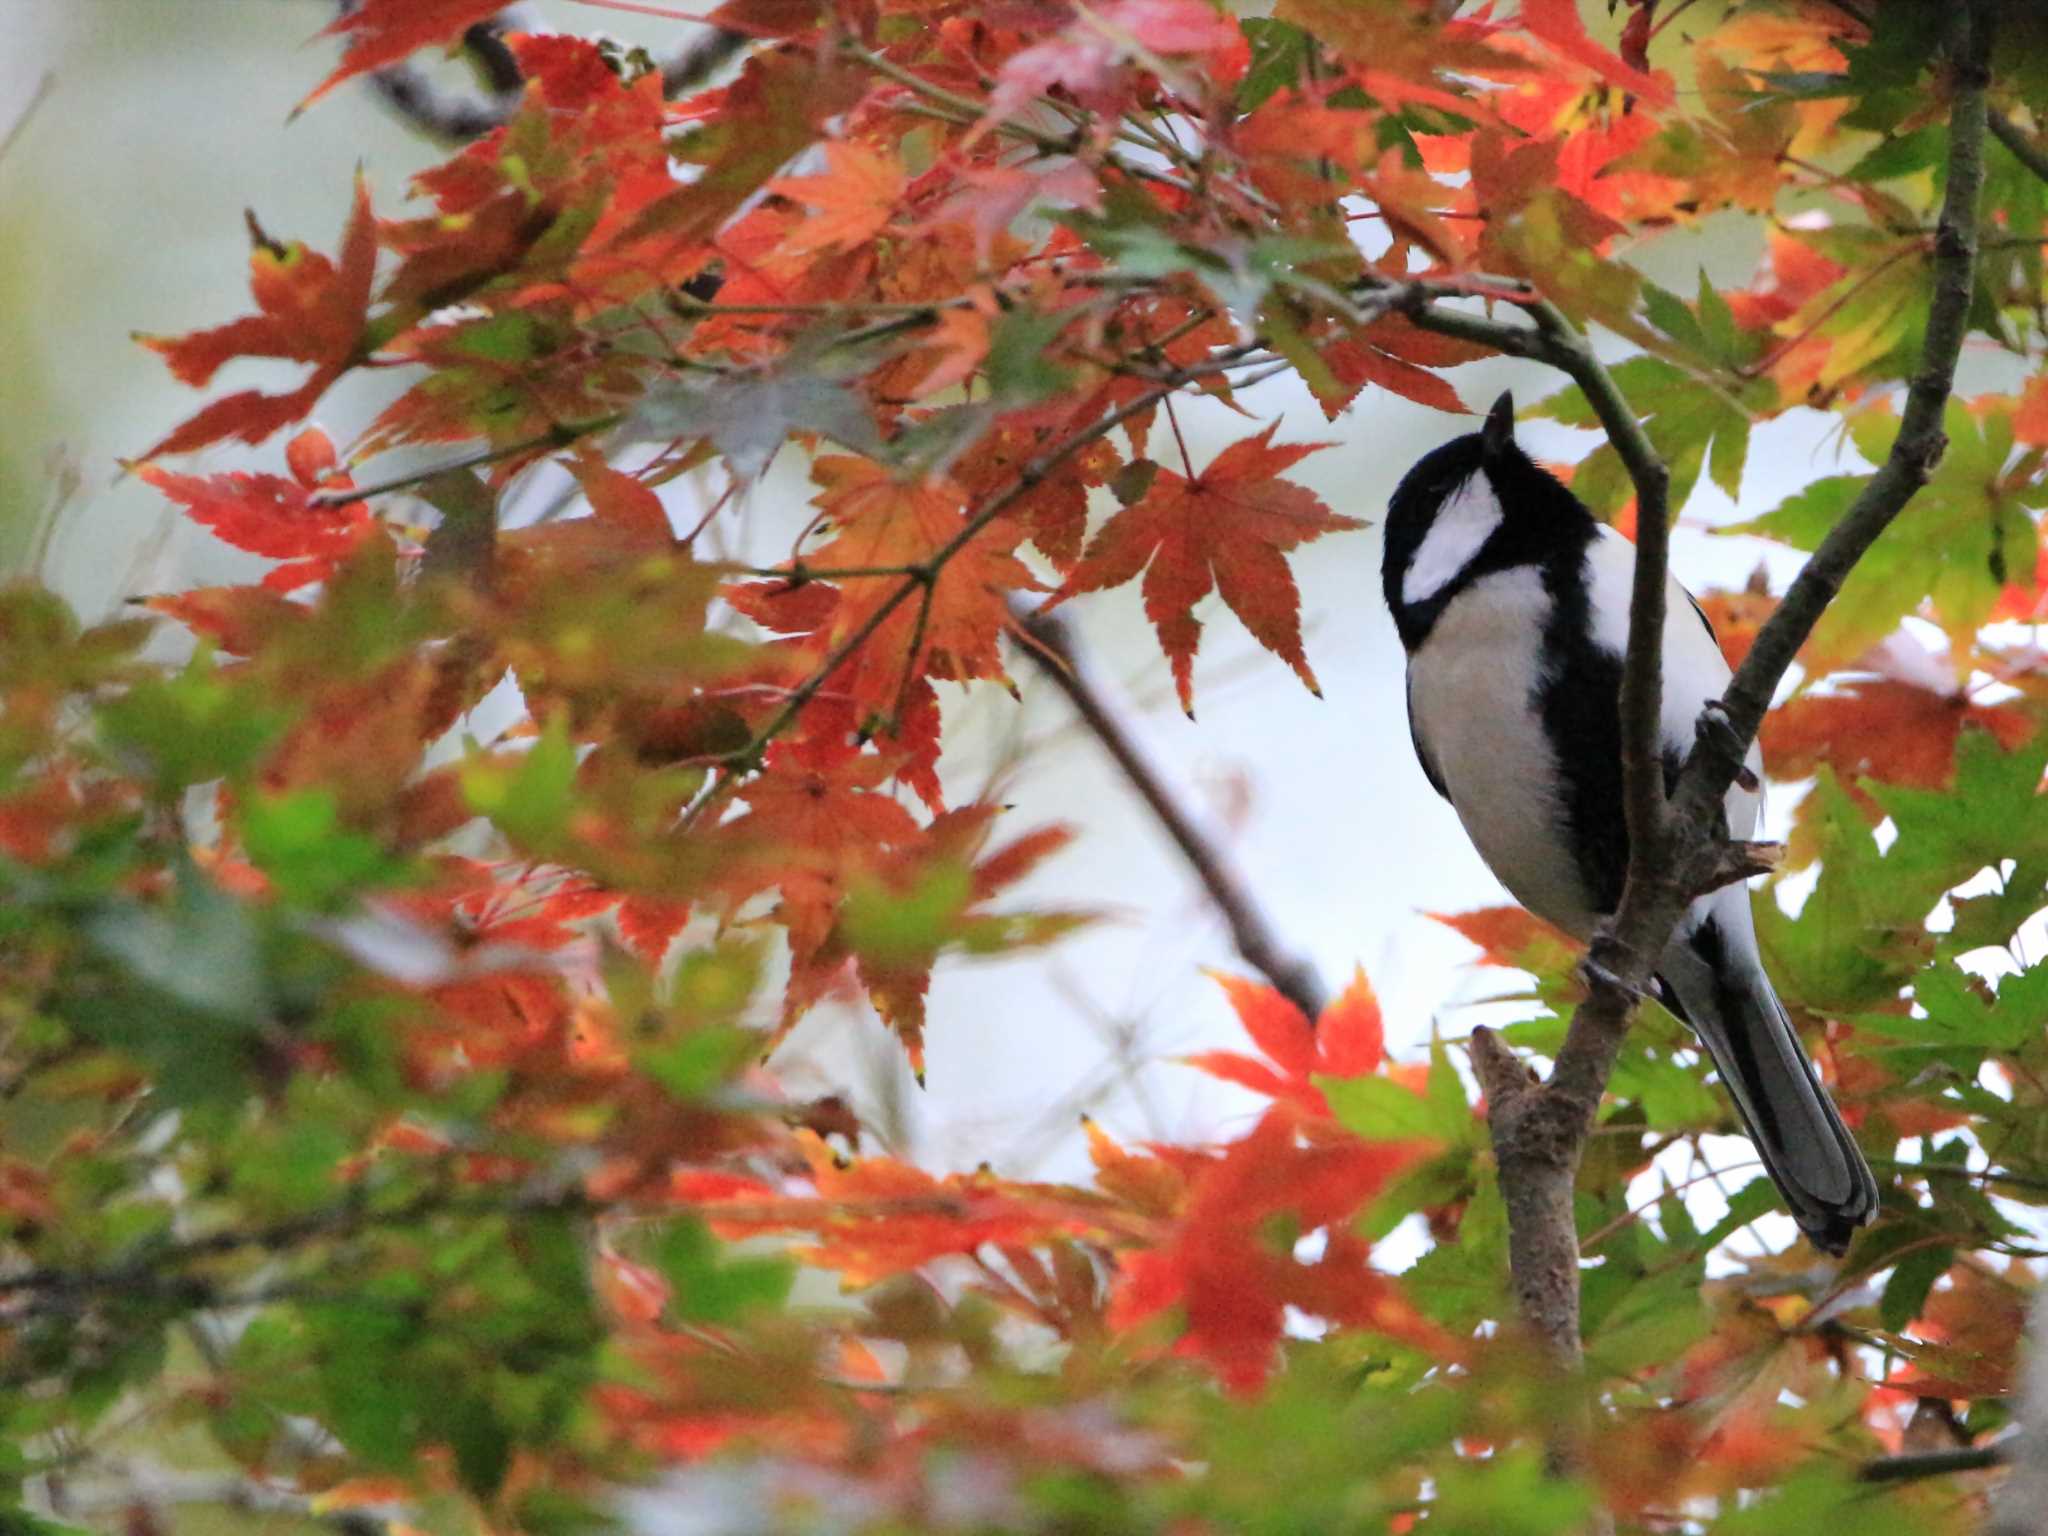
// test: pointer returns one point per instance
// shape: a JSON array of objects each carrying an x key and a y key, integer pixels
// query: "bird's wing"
[
  {"x": 1430, "y": 771},
  {"x": 1709, "y": 623},
  {"x": 1695, "y": 671}
]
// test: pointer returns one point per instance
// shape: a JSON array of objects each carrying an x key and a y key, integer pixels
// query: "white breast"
[{"x": 1473, "y": 687}]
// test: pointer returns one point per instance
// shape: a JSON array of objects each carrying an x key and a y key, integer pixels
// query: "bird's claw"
[
  {"x": 1600, "y": 976},
  {"x": 1716, "y": 732}
]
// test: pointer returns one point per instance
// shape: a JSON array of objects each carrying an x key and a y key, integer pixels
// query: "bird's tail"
[{"x": 1716, "y": 983}]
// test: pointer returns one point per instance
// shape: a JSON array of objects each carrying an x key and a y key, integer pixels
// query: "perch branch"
[
  {"x": 1914, "y": 453},
  {"x": 2024, "y": 148}
]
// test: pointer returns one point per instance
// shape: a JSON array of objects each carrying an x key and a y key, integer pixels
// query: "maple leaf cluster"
[{"x": 394, "y": 987}]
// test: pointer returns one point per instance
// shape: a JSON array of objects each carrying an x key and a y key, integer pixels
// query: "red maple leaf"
[
  {"x": 1225, "y": 529},
  {"x": 624, "y": 502},
  {"x": 1349, "y": 1040},
  {"x": 885, "y": 525},
  {"x": 1559, "y": 25},
  {"x": 1890, "y": 731},
  {"x": 382, "y": 32},
  {"x": 271, "y": 516},
  {"x": 1234, "y": 1277},
  {"x": 310, "y": 310}
]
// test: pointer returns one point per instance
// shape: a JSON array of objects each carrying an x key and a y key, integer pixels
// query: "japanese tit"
[{"x": 1512, "y": 603}]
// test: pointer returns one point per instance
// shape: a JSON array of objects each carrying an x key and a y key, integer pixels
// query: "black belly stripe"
[{"x": 1578, "y": 693}]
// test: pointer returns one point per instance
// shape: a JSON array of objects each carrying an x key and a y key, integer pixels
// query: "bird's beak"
[{"x": 1498, "y": 435}]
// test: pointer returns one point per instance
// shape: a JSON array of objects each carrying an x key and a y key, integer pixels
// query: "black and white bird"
[{"x": 1512, "y": 602}]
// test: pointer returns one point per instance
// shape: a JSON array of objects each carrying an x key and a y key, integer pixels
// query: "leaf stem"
[{"x": 555, "y": 437}]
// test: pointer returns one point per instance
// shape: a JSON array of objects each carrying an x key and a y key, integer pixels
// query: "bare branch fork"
[{"x": 1677, "y": 847}]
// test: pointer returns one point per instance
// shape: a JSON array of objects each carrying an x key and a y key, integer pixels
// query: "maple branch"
[
  {"x": 1661, "y": 882},
  {"x": 926, "y": 572},
  {"x": 1538, "y": 1130},
  {"x": 1252, "y": 933},
  {"x": 1678, "y": 850},
  {"x": 2024, "y": 149},
  {"x": 45, "y": 84},
  {"x": 555, "y": 437},
  {"x": 345, "y": 1218},
  {"x": 133, "y": 1486},
  {"x": 693, "y": 308},
  {"x": 2017, "y": 1509},
  {"x": 1914, "y": 453}
]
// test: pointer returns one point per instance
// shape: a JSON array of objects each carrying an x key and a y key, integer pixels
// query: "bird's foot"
[{"x": 1599, "y": 975}]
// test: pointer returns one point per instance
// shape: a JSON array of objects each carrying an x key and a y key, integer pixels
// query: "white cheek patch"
[{"x": 1454, "y": 540}]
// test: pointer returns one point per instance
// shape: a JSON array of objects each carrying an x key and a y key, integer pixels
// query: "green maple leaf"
[
  {"x": 1842, "y": 953},
  {"x": 1691, "y": 426},
  {"x": 1992, "y": 813},
  {"x": 1954, "y": 547}
]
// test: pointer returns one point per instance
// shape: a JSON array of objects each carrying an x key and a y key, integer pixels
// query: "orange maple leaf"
[
  {"x": 385, "y": 31},
  {"x": 311, "y": 310},
  {"x": 1893, "y": 732},
  {"x": 1512, "y": 938},
  {"x": 1349, "y": 1040},
  {"x": 1234, "y": 1281},
  {"x": 1226, "y": 530},
  {"x": 850, "y": 203},
  {"x": 875, "y": 1216},
  {"x": 1558, "y": 24},
  {"x": 887, "y": 526},
  {"x": 240, "y": 620},
  {"x": 619, "y": 499}
]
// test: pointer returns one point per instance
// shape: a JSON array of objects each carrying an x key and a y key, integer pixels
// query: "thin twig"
[
  {"x": 2015, "y": 138},
  {"x": 1027, "y": 479},
  {"x": 1252, "y": 931},
  {"x": 44, "y": 86},
  {"x": 554, "y": 437},
  {"x": 1914, "y": 453}
]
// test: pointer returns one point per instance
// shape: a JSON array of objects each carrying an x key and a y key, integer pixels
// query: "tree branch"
[
  {"x": 2021, "y": 1507},
  {"x": 2024, "y": 149},
  {"x": 1252, "y": 932},
  {"x": 1914, "y": 453},
  {"x": 1538, "y": 1130},
  {"x": 129, "y": 1485}
]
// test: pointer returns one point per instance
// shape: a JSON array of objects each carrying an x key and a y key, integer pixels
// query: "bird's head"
[{"x": 1477, "y": 505}]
